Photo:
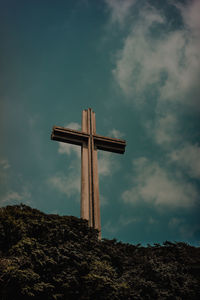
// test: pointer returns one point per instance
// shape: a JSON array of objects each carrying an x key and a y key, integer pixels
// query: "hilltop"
[{"x": 59, "y": 257}]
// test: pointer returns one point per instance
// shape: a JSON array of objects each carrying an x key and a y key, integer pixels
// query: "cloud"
[
  {"x": 68, "y": 185},
  {"x": 107, "y": 164},
  {"x": 137, "y": 66},
  {"x": 185, "y": 230},
  {"x": 10, "y": 195},
  {"x": 163, "y": 129},
  {"x": 158, "y": 66},
  {"x": 167, "y": 61},
  {"x": 152, "y": 220},
  {"x": 188, "y": 158},
  {"x": 69, "y": 149},
  {"x": 125, "y": 221},
  {"x": 4, "y": 164},
  {"x": 110, "y": 227},
  {"x": 122, "y": 221},
  {"x": 190, "y": 15},
  {"x": 13, "y": 197},
  {"x": 73, "y": 125},
  {"x": 103, "y": 200},
  {"x": 4, "y": 170},
  {"x": 116, "y": 133},
  {"x": 157, "y": 70},
  {"x": 155, "y": 185},
  {"x": 119, "y": 10},
  {"x": 174, "y": 223}
]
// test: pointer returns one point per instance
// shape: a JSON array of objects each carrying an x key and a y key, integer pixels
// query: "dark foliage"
[{"x": 52, "y": 257}]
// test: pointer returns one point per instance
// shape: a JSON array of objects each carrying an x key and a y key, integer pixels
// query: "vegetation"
[{"x": 59, "y": 257}]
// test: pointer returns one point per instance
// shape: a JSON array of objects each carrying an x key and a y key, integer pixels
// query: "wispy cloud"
[
  {"x": 185, "y": 230},
  {"x": 169, "y": 62},
  {"x": 107, "y": 164},
  {"x": 188, "y": 159},
  {"x": 155, "y": 185},
  {"x": 164, "y": 129},
  {"x": 116, "y": 133},
  {"x": 137, "y": 67},
  {"x": 9, "y": 194},
  {"x": 174, "y": 222},
  {"x": 103, "y": 200},
  {"x": 119, "y": 10},
  {"x": 152, "y": 220},
  {"x": 110, "y": 228},
  {"x": 13, "y": 197},
  {"x": 162, "y": 63},
  {"x": 121, "y": 222},
  {"x": 124, "y": 220},
  {"x": 70, "y": 184},
  {"x": 4, "y": 164}
]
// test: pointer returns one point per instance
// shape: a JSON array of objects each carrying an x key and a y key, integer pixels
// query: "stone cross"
[{"x": 90, "y": 142}]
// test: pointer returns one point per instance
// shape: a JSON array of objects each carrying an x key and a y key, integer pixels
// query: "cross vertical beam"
[{"x": 90, "y": 208}]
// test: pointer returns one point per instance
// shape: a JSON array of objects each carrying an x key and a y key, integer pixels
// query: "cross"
[{"x": 90, "y": 142}]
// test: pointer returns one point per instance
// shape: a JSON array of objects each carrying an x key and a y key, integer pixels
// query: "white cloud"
[
  {"x": 68, "y": 185},
  {"x": 174, "y": 223},
  {"x": 103, "y": 200},
  {"x": 137, "y": 66},
  {"x": 107, "y": 164},
  {"x": 116, "y": 134},
  {"x": 154, "y": 185},
  {"x": 191, "y": 15},
  {"x": 4, "y": 169},
  {"x": 185, "y": 230},
  {"x": 152, "y": 220},
  {"x": 69, "y": 149},
  {"x": 163, "y": 130},
  {"x": 169, "y": 62},
  {"x": 119, "y": 9},
  {"x": 13, "y": 197},
  {"x": 10, "y": 195},
  {"x": 4, "y": 164},
  {"x": 188, "y": 157},
  {"x": 124, "y": 220},
  {"x": 73, "y": 125},
  {"x": 110, "y": 227}
]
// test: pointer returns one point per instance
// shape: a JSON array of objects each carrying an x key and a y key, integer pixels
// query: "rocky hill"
[{"x": 59, "y": 257}]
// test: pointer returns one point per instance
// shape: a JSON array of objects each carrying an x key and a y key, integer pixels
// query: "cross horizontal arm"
[
  {"x": 70, "y": 136},
  {"x": 109, "y": 144}
]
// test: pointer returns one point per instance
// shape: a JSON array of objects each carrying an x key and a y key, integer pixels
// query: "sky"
[{"x": 137, "y": 65}]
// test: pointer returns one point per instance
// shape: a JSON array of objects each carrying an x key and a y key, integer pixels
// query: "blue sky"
[{"x": 137, "y": 65}]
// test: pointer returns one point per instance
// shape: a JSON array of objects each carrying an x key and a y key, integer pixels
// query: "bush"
[{"x": 59, "y": 257}]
